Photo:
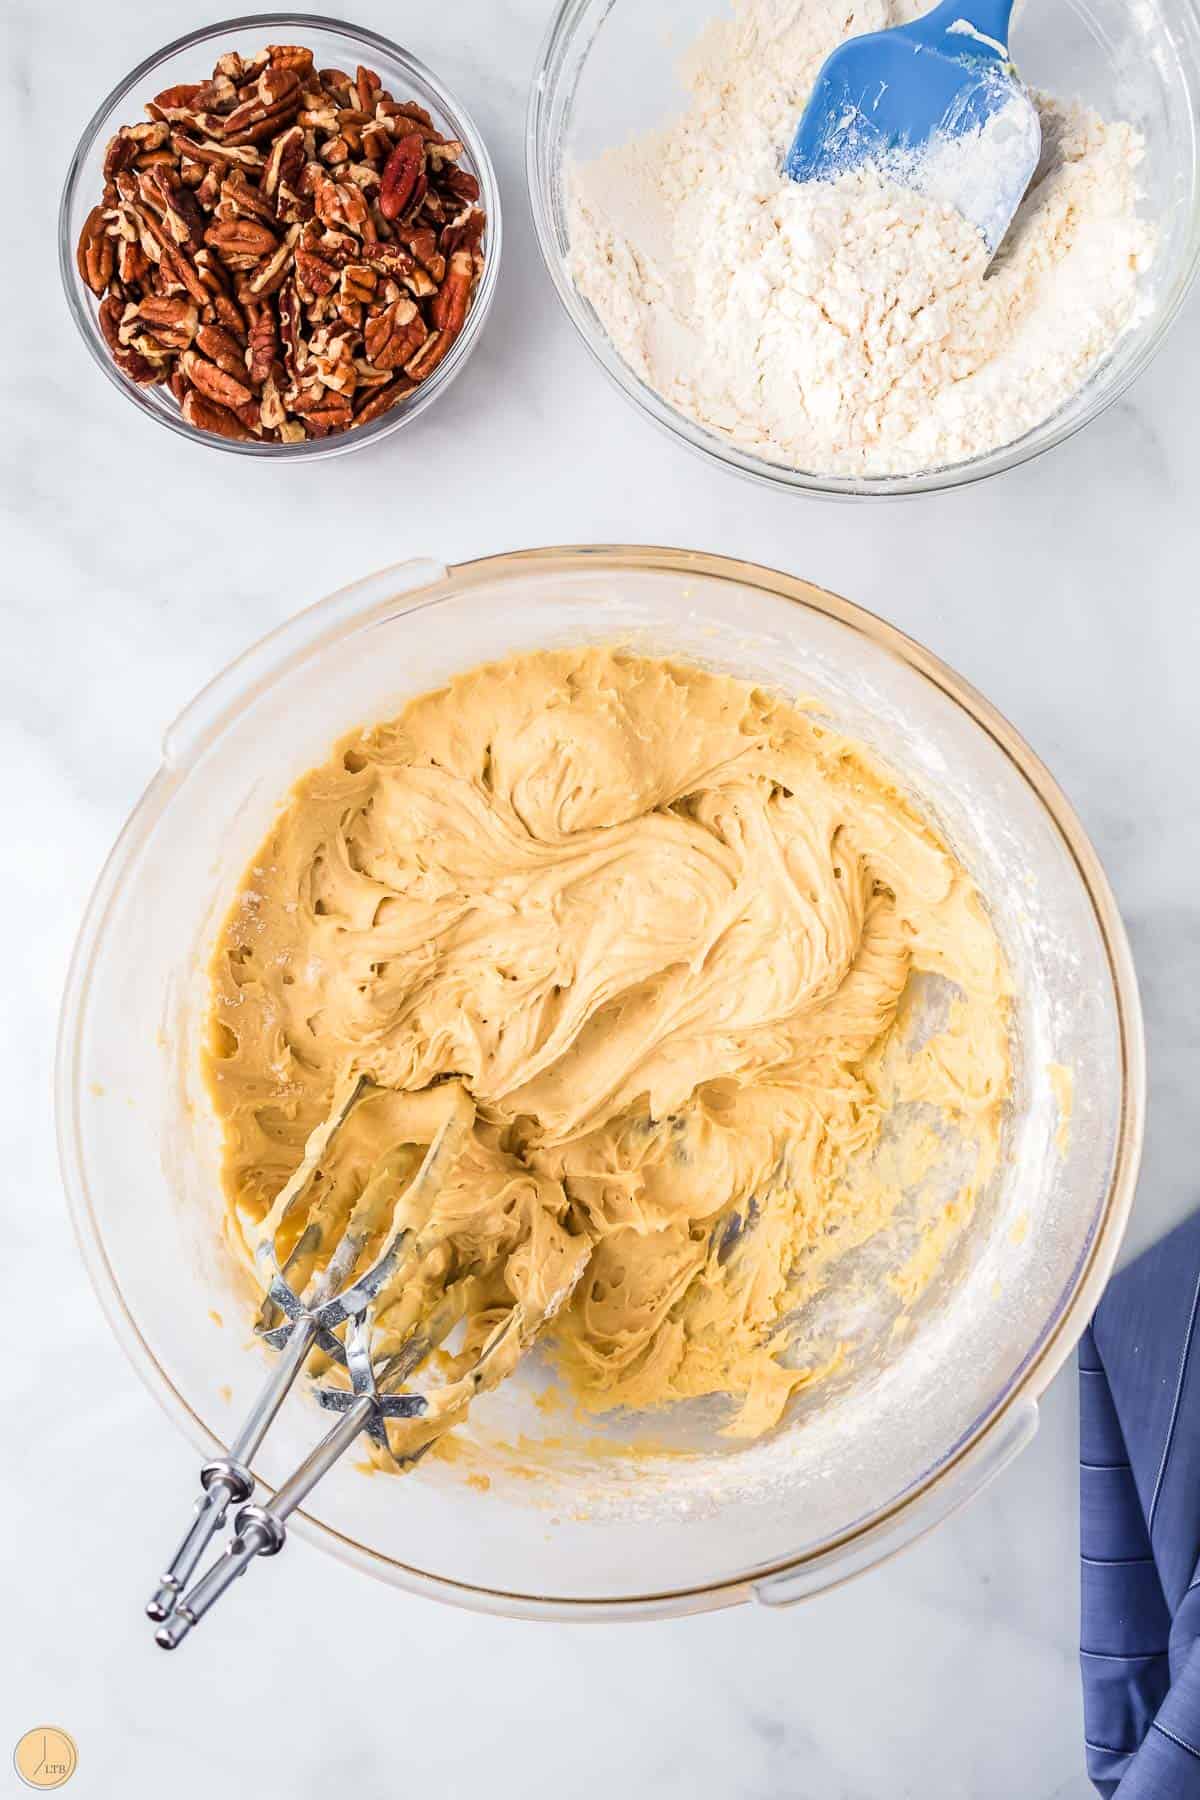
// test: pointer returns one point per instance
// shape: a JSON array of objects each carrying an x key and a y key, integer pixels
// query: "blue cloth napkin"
[{"x": 1139, "y": 1535}]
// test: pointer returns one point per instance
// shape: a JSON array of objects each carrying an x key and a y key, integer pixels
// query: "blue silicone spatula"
[{"x": 937, "y": 104}]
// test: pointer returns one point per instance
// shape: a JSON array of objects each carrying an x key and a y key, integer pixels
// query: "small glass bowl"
[
  {"x": 335, "y": 45},
  {"x": 608, "y": 69}
]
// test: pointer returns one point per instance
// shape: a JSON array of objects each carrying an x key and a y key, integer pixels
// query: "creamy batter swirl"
[{"x": 659, "y": 923}]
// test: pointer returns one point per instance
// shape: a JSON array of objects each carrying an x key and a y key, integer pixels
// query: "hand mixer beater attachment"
[{"x": 390, "y": 1224}]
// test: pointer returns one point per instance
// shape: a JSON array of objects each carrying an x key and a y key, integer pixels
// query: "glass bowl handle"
[
  {"x": 981, "y": 1464},
  {"x": 296, "y": 641}
]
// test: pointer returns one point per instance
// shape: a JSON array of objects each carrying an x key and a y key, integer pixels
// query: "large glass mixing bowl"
[
  {"x": 576, "y": 1521},
  {"x": 608, "y": 69}
]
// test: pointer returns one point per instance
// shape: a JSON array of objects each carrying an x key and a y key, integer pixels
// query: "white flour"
[{"x": 848, "y": 328}]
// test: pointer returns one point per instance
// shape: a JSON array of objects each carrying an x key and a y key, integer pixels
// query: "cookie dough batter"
[{"x": 660, "y": 924}]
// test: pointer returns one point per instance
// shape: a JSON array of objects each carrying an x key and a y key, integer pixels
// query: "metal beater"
[{"x": 337, "y": 1297}]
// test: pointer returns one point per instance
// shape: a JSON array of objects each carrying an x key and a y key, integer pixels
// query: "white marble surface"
[{"x": 134, "y": 567}]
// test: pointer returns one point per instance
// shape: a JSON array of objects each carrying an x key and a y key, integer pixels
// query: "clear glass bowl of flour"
[{"x": 609, "y": 69}]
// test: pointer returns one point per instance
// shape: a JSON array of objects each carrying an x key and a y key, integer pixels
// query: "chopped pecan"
[
  {"x": 316, "y": 275},
  {"x": 368, "y": 376},
  {"x": 133, "y": 265},
  {"x": 394, "y": 335},
  {"x": 429, "y": 355},
  {"x": 323, "y": 411},
  {"x": 208, "y": 188},
  {"x": 420, "y": 282},
  {"x": 422, "y": 243},
  {"x": 129, "y": 360},
  {"x": 175, "y": 204},
  {"x": 191, "y": 118},
  {"x": 120, "y": 154},
  {"x": 250, "y": 413},
  {"x": 331, "y": 357},
  {"x": 269, "y": 276},
  {"x": 289, "y": 329},
  {"x": 383, "y": 399},
  {"x": 318, "y": 117},
  {"x": 228, "y": 313},
  {"x": 271, "y": 415},
  {"x": 179, "y": 264},
  {"x": 273, "y": 106},
  {"x": 263, "y": 347},
  {"x": 368, "y": 88},
  {"x": 239, "y": 200},
  {"x": 356, "y": 289},
  {"x": 462, "y": 185},
  {"x": 284, "y": 162},
  {"x": 417, "y": 198},
  {"x": 216, "y": 277},
  {"x": 410, "y": 118},
  {"x": 172, "y": 99},
  {"x": 161, "y": 159},
  {"x": 465, "y": 233},
  {"x": 376, "y": 143},
  {"x": 358, "y": 283},
  {"x": 339, "y": 203},
  {"x": 172, "y": 322},
  {"x": 131, "y": 144},
  {"x": 205, "y": 150}
]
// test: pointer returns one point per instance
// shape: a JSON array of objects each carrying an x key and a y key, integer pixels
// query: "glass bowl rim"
[
  {"x": 295, "y": 642},
  {"x": 79, "y": 299},
  {"x": 1025, "y": 449}
]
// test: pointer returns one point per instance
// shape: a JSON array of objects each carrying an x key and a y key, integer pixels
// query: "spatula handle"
[{"x": 990, "y": 19}]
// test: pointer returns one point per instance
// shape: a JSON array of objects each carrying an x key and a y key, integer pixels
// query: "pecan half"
[
  {"x": 171, "y": 322},
  {"x": 291, "y": 56},
  {"x": 448, "y": 308},
  {"x": 213, "y": 382},
  {"x": 222, "y": 348},
  {"x": 401, "y": 173},
  {"x": 206, "y": 416},
  {"x": 394, "y": 335},
  {"x": 241, "y": 243},
  {"x": 95, "y": 254},
  {"x": 272, "y": 107}
]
